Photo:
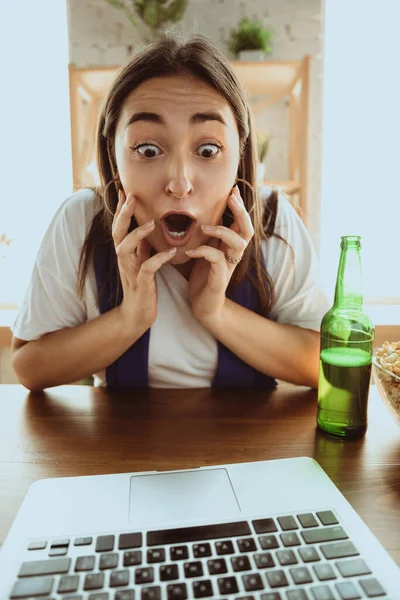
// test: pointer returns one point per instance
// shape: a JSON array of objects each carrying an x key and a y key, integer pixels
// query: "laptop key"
[
  {"x": 301, "y": 575},
  {"x": 62, "y": 551},
  {"x": 277, "y": 579},
  {"x": 268, "y": 542},
  {"x": 240, "y": 563},
  {"x": 198, "y": 533},
  {"x": 246, "y": 545},
  {"x": 264, "y": 560},
  {"x": 297, "y": 595},
  {"x": 307, "y": 520},
  {"x": 224, "y": 548},
  {"x": 372, "y": 587},
  {"x": 327, "y": 517},
  {"x": 75, "y": 597},
  {"x": 309, "y": 554},
  {"x": 122, "y": 595},
  {"x": 324, "y": 572},
  {"x": 322, "y": 592},
  {"x": 40, "y": 545},
  {"x": 151, "y": 593},
  {"x": 130, "y": 540},
  {"x": 99, "y": 596},
  {"x": 68, "y": 583},
  {"x": 179, "y": 553},
  {"x": 287, "y": 523},
  {"x": 327, "y": 534},
  {"x": 341, "y": 550},
  {"x": 84, "y": 563},
  {"x": 83, "y": 541},
  {"x": 264, "y": 525},
  {"x": 52, "y": 566},
  {"x": 347, "y": 591},
  {"x": 144, "y": 575},
  {"x": 132, "y": 558},
  {"x": 351, "y": 568},
  {"x": 170, "y": 572},
  {"x": 271, "y": 596},
  {"x": 201, "y": 550},
  {"x": 105, "y": 543},
  {"x": 32, "y": 588},
  {"x": 93, "y": 581},
  {"x": 193, "y": 569},
  {"x": 203, "y": 589},
  {"x": 217, "y": 567},
  {"x": 228, "y": 585},
  {"x": 118, "y": 578},
  {"x": 177, "y": 591},
  {"x": 286, "y": 557},
  {"x": 252, "y": 582},
  {"x": 108, "y": 561},
  {"x": 155, "y": 555},
  {"x": 290, "y": 539}
]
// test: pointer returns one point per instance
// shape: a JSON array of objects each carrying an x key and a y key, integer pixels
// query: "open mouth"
[{"x": 177, "y": 227}]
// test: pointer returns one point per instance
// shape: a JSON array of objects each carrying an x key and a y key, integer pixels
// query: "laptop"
[{"x": 268, "y": 530}]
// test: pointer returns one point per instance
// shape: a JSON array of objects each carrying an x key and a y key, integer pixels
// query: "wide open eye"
[
  {"x": 209, "y": 150},
  {"x": 146, "y": 150}
]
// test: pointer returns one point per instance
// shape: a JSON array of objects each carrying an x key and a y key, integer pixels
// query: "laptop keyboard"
[{"x": 305, "y": 556}]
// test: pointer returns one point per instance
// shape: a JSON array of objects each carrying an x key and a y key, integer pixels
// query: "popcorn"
[{"x": 388, "y": 357}]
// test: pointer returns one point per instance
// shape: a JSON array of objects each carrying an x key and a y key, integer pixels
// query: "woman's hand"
[
  {"x": 136, "y": 266},
  {"x": 212, "y": 271}
]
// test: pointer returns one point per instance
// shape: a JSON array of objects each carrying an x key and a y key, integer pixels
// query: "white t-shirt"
[{"x": 51, "y": 301}]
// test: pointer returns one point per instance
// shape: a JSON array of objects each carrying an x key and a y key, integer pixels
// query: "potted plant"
[
  {"x": 251, "y": 40},
  {"x": 262, "y": 151},
  {"x": 154, "y": 13}
]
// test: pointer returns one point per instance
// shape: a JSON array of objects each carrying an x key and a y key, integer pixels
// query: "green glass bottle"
[{"x": 347, "y": 337}]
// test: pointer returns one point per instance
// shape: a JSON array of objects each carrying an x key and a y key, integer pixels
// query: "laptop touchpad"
[{"x": 178, "y": 496}]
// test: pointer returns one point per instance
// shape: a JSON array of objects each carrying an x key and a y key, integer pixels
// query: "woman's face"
[{"x": 177, "y": 151}]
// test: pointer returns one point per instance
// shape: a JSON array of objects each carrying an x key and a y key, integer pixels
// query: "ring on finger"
[{"x": 233, "y": 261}]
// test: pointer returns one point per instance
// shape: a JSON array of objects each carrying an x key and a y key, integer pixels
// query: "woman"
[{"x": 177, "y": 272}]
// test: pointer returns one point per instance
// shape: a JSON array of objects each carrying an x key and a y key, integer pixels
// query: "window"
[
  {"x": 361, "y": 132},
  {"x": 36, "y": 148}
]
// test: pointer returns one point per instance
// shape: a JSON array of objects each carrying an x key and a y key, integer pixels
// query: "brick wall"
[{"x": 101, "y": 35}]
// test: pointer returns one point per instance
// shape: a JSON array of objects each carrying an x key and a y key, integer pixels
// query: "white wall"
[{"x": 361, "y": 141}]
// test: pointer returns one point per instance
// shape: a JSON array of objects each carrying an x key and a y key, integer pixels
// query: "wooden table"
[{"x": 80, "y": 430}]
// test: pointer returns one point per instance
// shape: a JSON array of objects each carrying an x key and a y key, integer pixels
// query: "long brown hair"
[{"x": 200, "y": 57}]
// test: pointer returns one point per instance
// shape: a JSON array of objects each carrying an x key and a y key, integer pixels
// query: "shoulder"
[
  {"x": 78, "y": 209},
  {"x": 286, "y": 215},
  {"x": 67, "y": 230}
]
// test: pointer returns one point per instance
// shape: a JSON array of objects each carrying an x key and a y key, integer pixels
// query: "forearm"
[
  {"x": 72, "y": 354},
  {"x": 282, "y": 351}
]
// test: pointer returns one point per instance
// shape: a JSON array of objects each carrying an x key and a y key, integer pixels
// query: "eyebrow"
[{"x": 151, "y": 117}]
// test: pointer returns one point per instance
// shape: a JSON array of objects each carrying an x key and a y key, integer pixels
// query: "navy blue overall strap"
[{"x": 131, "y": 368}]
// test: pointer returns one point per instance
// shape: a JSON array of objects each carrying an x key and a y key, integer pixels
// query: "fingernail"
[
  {"x": 148, "y": 224},
  {"x": 236, "y": 189},
  {"x": 208, "y": 228},
  {"x": 119, "y": 195},
  {"x": 190, "y": 252},
  {"x": 172, "y": 251}
]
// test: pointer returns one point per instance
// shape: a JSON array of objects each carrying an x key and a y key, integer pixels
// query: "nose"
[{"x": 179, "y": 181}]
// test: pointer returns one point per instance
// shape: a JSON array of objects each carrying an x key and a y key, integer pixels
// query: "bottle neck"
[{"x": 348, "y": 291}]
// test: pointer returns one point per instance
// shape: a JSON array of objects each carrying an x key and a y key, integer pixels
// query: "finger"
[
  {"x": 214, "y": 256},
  {"x": 149, "y": 268},
  {"x": 121, "y": 200},
  {"x": 230, "y": 238},
  {"x": 130, "y": 242},
  {"x": 241, "y": 216},
  {"x": 143, "y": 250},
  {"x": 123, "y": 220}
]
